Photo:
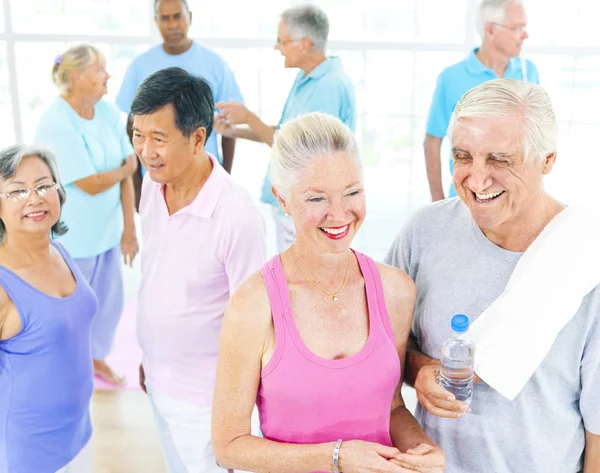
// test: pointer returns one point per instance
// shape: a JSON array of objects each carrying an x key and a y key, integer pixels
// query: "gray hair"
[
  {"x": 301, "y": 140},
  {"x": 505, "y": 98},
  {"x": 10, "y": 160},
  {"x": 492, "y": 11},
  {"x": 77, "y": 58},
  {"x": 310, "y": 22},
  {"x": 183, "y": 2}
]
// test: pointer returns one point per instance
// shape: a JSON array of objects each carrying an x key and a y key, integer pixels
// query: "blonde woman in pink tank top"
[{"x": 317, "y": 338}]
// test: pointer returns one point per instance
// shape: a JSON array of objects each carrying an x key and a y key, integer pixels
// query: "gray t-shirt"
[{"x": 458, "y": 270}]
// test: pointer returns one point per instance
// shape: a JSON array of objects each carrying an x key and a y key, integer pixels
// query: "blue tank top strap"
[
  {"x": 374, "y": 287},
  {"x": 14, "y": 287}
]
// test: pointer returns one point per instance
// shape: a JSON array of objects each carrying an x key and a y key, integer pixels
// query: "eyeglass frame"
[
  {"x": 515, "y": 29},
  {"x": 280, "y": 42},
  {"x": 48, "y": 187}
]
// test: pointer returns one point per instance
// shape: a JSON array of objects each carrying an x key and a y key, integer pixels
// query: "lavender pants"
[{"x": 103, "y": 273}]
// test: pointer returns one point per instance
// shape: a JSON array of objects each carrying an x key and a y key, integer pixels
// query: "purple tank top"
[
  {"x": 306, "y": 399},
  {"x": 46, "y": 376}
]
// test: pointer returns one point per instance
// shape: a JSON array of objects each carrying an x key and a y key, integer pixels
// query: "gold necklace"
[{"x": 333, "y": 295}]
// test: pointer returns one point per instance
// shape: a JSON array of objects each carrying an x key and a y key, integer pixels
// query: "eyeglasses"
[
  {"x": 516, "y": 29},
  {"x": 281, "y": 42},
  {"x": 22, "y": 194}
]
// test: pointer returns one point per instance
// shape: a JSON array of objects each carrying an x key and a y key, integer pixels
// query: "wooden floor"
[{"x": 125, "y": 438}]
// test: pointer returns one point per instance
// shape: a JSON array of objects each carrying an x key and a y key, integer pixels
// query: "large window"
[{"x": 393, "y": 50}]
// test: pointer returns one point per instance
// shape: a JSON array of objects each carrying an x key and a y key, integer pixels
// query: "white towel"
[{"x": 515, "y": 333}]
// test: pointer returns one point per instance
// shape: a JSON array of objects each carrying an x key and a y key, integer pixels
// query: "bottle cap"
[{"x": 460, "y": 323}]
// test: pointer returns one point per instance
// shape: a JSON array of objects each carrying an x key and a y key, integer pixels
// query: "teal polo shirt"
[
  {"x": 327, "y": 89},
  {"x": 456, "y": 80}
]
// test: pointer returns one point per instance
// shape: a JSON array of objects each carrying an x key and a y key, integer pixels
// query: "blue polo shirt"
[
  {"x": 84, "y": 148},
  {"x": 456, "y": 80},
  {"x": 199, "y": 61},
  {"x": 327, "y": 89}
]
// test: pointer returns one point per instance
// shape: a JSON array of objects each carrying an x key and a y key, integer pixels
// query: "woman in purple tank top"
[
  {"x": 46, "y": 310},
  {"x": 318, "y": 338}
]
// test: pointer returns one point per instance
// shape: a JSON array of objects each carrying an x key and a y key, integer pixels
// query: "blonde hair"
[
  {"x": 301, "y": 140},
  {"x": 77, "y": 58},
  {"x": 507, "y": 98}
]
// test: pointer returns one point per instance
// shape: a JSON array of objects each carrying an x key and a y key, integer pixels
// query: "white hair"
[
  {"x": 308, "y": 21},
  {"x": 505, "y": 98},
  {"x": 492, "y": 11},
  {"x": 301, "y": 140}
]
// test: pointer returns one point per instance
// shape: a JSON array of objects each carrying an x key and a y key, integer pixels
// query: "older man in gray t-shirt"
[{"x": 461, "y": 253}]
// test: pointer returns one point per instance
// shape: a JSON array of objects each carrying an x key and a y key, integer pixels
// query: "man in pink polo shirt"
[{"x": 202, "y": 236}]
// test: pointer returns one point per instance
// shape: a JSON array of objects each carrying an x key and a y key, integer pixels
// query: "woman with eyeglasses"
[
  {"x": 96, "y": 161},
  {"x": 46, "y": 312}
]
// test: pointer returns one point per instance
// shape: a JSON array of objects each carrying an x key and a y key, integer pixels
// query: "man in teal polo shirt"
[
  {"x": 321, "y": 86},
  {"x": 502, "y": 25}
]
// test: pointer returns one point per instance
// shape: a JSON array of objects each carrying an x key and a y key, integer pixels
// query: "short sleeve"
[
  {"x": 244, "y": 246},
  {"x": 72, "y": 154},
  {"x": 128, "y": 89},
  {"x": 326, "y": 98},
  {"x": 228, "y": 89},
  {"x": 533, "y": 73},
  {"x": 589, "y": 401},
  {"x": 438, "y": 118},
  {"x": 397, "y": 254}
]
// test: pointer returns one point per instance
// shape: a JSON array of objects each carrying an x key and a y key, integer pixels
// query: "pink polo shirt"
[{"x": 192, "y": 261}]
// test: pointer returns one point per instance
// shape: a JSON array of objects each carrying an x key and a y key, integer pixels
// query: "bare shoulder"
[
  {"x": 398, "y": 287},
  {"x": 400, "y": 292},
  {"x": 249, "y": 305}
]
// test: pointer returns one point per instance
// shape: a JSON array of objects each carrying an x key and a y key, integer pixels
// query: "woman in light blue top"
[
  {"x": 46, "y": 312},
  {"x": 96, "y": 162}
]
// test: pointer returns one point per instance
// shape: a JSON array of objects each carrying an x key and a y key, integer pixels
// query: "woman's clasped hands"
[{"x": 357, "y": 456}]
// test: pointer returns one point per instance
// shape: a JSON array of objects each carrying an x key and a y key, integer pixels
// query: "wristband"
[{"x": 336, "y": 456}]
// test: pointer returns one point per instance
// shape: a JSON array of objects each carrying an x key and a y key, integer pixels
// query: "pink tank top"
[{"x": 306, "y": 399}]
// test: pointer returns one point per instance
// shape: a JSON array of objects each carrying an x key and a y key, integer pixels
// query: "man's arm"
[
  {"x": 228, "y": 148},
  {"x": 266, "y": 133},
  {"x": 592, "y": 453},
  {"x": 415, "y": 361},
  {"x": 433, "y": 162},
  {"x": 236, "y": 113}
]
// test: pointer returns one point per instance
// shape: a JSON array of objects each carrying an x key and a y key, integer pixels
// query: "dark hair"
[
  {"x": 183, "y": 2},
  {"x": 190, "y": 97},
  {"x": 10, "y": 160}
]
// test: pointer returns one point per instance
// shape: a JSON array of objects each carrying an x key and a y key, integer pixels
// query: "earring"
[{"x": 286, "y": 214}]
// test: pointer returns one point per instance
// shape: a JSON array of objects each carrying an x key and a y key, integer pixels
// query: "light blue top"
[
  {"x": 456, "y": 80},
  {"x": 83, "y": 148},
  {"x": 199, "y": 61},
  {"x": 327, "y": 89}
]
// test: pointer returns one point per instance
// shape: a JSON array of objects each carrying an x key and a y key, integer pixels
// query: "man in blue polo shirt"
[
  {"x": 502, "y": 25},
  {"x": 320, "y": 86},
  {"x": 173, "y": 18}
]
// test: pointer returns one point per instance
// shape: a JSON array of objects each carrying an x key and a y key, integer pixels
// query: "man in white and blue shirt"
[
  {"x": 320, "y": 86},
  {"x": 502, "y": 25}
]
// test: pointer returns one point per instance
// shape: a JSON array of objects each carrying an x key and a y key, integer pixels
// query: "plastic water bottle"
[{"x": 458, "y": 361}]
